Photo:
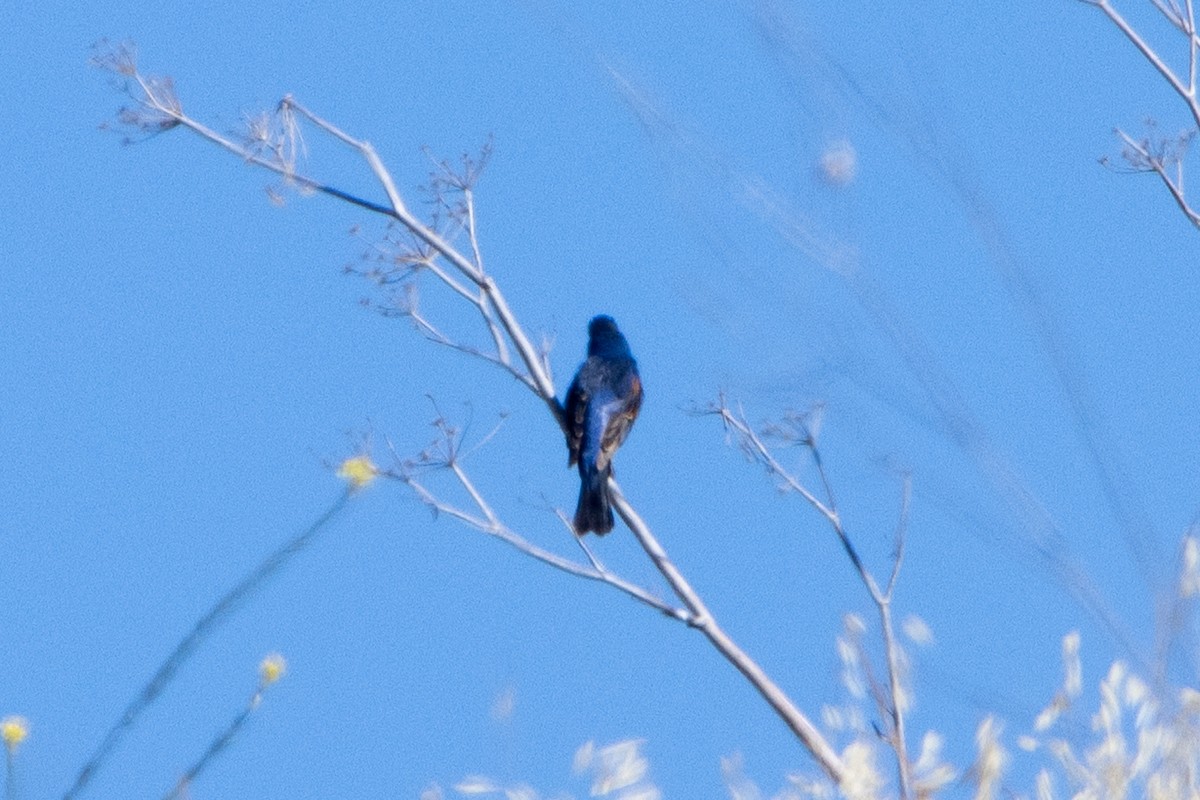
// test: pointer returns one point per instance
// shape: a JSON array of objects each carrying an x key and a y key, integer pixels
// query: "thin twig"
[
  {"x": 493, "y": 527},
  {"x": 368, "y": 152},
  {"x": 1193, "y": 43},
  {"x": 901, "y": 533},
  {"x": 836, "y": 521},
  {"x": 761, "y": 453},
  {"x": 580, "y": 540},
  {"x": 1154, "y": 163},
  {"x": 200, "y": 631},
  {"x": 1186, "y": 92},
  {"x": 754, "y": 446},
  {"x": 216, "y": 747},
  {"x": 483, "y": 303}
]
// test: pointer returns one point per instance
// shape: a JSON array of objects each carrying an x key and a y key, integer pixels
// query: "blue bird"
[{"x": 602, "y": 404}]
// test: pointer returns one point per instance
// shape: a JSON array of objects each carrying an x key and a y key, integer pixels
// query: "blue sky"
[{"x": 183, "y": 359}]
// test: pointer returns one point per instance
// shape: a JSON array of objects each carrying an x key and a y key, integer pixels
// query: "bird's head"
[{"x": 604, "y": 338}]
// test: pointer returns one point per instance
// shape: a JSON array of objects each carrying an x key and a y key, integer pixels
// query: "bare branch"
[
  {"x": 794, "y": 429},
  {"x": 1143, "y": 156},
  {"x": 1186, "y": 92},
  {"x": 754, "y": 448},
  {"x": 274, "y": 155},
  {"x": 444, "y": 454},
  {"x": 702, "y": 619},
  {"x": 199, "y": 633},
  {"x": 1193, "y": 45},
  {"x": 434, "y": 335},
  {"x": 399, "y": 210},
  {"x": 485, "y": 282},
  {"x": 222, "y": 741},
  {"x": 489, "y": 523},
  {"x": 157, "y": 99},
  {"x": 1157, "y": 157},
  {"x": 897, "y": 694}
]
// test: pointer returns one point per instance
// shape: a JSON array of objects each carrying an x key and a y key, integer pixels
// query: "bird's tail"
[{"x": 593, "y": 513}]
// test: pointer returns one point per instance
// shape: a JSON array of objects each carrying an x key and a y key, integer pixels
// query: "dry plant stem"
[
  {"x": 484, "y": 307},
  {"x": 199, "y": 633},
  {"x": 899, "y": 738},
  {"x": 1159, "y": 168},
  {"x": 543, "y": 386},
  {"x": 183, "y": 785},
  {"x": 883, "y": 603},
  {"x": 754, "y": 445},
  {"x": 492, "y": 301},
  {"x": 1188, "y": 93},
  {"x": 436, "y": 336},
  {"x": 1193, "y": 42},
  {"x": 396, "y": 209},
  {"x": 1185, "y": 21},
  {"x": 759, "y": 450},
  {"x": 492, "y": 526},
  {"x": 702, "y": 619}
]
